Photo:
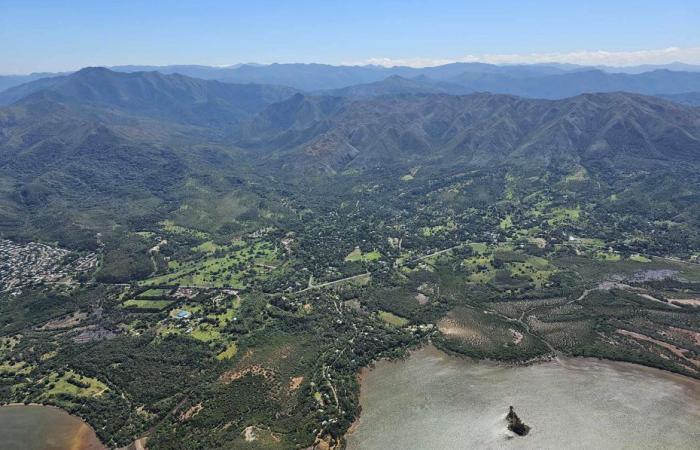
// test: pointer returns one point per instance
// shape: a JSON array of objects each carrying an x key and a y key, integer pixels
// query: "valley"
[{"x": 214, "y": 271}]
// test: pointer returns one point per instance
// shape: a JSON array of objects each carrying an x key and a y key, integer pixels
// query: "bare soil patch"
[
  {"x": 422, "y": 298},
  {"x": 685, "y": 301},
  {"x": 68, "y": 321},
  {"x": 233, "y": 375},
  {"x": 191, "y": 412},
  {"x": 680, "y": 352},
  {"x": 295, "y": 382}
]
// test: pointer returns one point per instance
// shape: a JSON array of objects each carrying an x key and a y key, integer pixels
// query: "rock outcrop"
[{"x": 515, "y": 424}]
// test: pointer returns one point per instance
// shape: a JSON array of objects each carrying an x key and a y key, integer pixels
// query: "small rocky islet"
[{"x": 515, "y": 424}]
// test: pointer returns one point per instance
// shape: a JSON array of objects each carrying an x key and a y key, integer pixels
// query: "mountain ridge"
[
  {"x": 170, "y": 97},
  {"x": 484, "y": 128},
  {"x": 531, "y": 80}
]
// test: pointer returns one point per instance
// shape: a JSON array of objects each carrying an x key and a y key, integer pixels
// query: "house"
[{"x": 183, "y": 314}]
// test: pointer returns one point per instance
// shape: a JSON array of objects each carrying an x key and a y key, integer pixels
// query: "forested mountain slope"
[{"x": 617, "y": 130}]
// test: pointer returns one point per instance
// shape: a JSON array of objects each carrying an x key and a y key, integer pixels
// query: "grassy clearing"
[
  {"x": 392, "y": 319},
  {"x": 170, "y": 227},
  {"x": 49, "y": 355},
  {"x": 207, "y": 247},
  {"x": 640, "y": 258},
  {"x": 8, "y": 343},
  {"x": 205, "y": 332},
  {"x": 74, "y": 384},
  {"x": 536, "y": 270},
  {"x": 592, "y": 243},
  {"x": 154, "y": 293},
  {"x": 147, "y": 304},
  {"x": 224, "y": 318},
  {"x": 223, "y": 271},
  {"x": 374, "y": 255},
  {"x": 579, "y": 175},
  {"x": 506, "y": 223},
  {"x": 357, "y": 255},
  {"x": 512, "y": 270},
  {"x": 18, "y": 368},
  {"x": 411, "y": 174},
  {"x": 478, "y": 247},
  {"x": 438, "y": 229},
  {"x": 480, "y": 269},
  {"x": 563, "y": 215},
  {"x": 610, "y": 256},
  {"x": 230, "y": 352}
]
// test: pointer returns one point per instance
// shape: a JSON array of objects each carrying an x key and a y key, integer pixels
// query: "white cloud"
[{"x": 583, "y": 57}]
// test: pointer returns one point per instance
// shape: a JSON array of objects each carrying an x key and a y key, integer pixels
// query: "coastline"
[{"x": 86, "y": 426}]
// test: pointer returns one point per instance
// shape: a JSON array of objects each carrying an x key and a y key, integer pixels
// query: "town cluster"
[{"x": 25, "y": 264}]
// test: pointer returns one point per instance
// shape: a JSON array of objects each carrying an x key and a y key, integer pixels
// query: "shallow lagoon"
[
  {"x": 436, "y": 401},
  {"x": 44, "y": 428}
]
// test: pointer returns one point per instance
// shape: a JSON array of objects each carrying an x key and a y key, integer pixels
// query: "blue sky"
[{"x": 65, "y": 35}]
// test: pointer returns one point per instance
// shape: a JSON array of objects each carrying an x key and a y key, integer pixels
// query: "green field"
[
  {"x": 154, "y": 293},
  {"x": 392, "y": 319},
  {"x": 230, "y": 270},
  {"x": 73, "y": 384},
  {"x": 357, "y": 255},
  {"x": 147, "y": 304}
]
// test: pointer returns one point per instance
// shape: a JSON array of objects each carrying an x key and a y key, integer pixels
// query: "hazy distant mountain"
[
  {"x": 9, "y": 81},
  {"x": 534, "y": 80},
  {"x": 397, "y": 85},
  {"x": 676, "y": 66},
  {"x": 688, "y": 98},
  {"x": 574, "y": 83},
  {"x": 152, "y": 94},
  {"x": 195, "y": 71},
  {"x": 312, "y": 77},
  {"x": 538, "y": 81}
]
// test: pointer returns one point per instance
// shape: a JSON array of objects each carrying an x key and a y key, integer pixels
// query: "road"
[{"x": 330, "y": 283}]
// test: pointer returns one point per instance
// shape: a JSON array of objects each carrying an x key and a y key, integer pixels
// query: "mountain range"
[
  {"x": 534, "y": 80},
  {"x": 98, "y": 146},
  {"x": 616, "y": 129},
  {"x": 170, "y": 97}
]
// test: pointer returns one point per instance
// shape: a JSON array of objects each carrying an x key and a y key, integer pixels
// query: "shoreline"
[{"x": 42, "y": 405}]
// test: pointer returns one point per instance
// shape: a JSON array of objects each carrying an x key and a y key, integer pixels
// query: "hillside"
[
  {"x": 174, "y": 97},
  {"x": 618, "y": 130},
  {"x": 98, "y": 147},
  {"x": 78, "y": 145},
  {"x": 688, "y": 98}
]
